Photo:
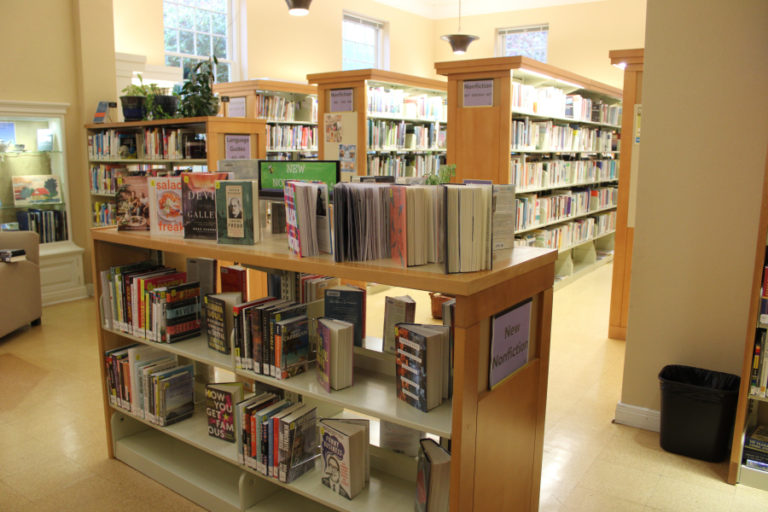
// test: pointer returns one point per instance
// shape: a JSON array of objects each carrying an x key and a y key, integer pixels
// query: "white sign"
[
  {"x": 237, "y": 147},
  {"x": 236, "y": 107},
  {"x": 478, "y": 93},
  {"x": 342, "y": 100}
]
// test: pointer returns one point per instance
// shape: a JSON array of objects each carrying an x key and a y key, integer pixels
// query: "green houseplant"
[
  {"x": 197, "y": 99},
  {"x": 134, "y": 100},
  {"x": 443, "y": 175},
  {"x": 160, "y": 104}
]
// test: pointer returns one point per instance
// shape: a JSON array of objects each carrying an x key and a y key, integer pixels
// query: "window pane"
[
  {"x": 173, "y": 61},
  {"x": 188, "y": 64},
  {"x": 203, "y": 21},
  {"x": 222, "y": 72},
  {"x": 171, "y": 40},
  {"x": 170, "y": 15},
  {"x": 218, "y": 5},
  {"x": 220, "y": 47},
  {"x": 186, "y": 18},
  {"x": 219, "y": 24},
  {"x": 203, "y": 46},
  {"x": 369, "y": 35},
  {"x": 186, "y": 41}
]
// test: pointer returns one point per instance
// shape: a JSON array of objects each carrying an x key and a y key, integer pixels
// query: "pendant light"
[
  {"x": 298, "y": 7},
  {"x": 459, "y": 42}
]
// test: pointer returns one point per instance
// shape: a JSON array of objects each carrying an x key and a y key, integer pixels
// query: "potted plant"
[
  {"x": 197, "y": 99},
  {"x": 443, "y": 175},
  {"x": 160, "y": 104},
  {"x": 134, "y": 100}
]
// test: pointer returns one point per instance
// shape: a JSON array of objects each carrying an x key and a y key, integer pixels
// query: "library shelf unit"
[
  {"x": 381, "y": 122},
  {"x": 496, "y": 435},
  {"x": 552, "y": 133},
  {"x": 33, "y": 139},
  {"x": 289, "y": 109},
  {"x": 750, "y": 409},
  {"x": 209, "y": 132}
]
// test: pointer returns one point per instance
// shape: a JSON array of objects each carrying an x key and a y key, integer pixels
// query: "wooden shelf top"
[
  {"x": 252, "y": 86},
  {"x": 633, "y": 56},
  {"x": 273, "y": 252},
  {"x": 181, "y": 121},
  {"x": 347, "y": 78}
]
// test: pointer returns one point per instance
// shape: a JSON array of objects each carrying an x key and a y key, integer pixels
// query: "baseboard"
[
  {"x": 50, "y": 298},
  {"x": 639, "y": 417}
]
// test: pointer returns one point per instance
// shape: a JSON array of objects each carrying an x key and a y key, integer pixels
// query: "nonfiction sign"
[{"x": 510, "y": 341}]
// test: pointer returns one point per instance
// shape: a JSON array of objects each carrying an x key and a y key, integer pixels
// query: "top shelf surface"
[
  {"x": 273, "y": 252},
  {"x": 181, "y": 121}
]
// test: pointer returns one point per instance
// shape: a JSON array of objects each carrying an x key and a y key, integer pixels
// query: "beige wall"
[
  {"x": 701, "y": 170},
  {"x": 138, "y": 28},
  {"x": 580, "y": 35}
]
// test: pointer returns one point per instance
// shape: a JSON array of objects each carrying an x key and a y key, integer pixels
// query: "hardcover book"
[
  {"x": 234, "y": 278},
  {"x": 177, "y": 396},
  {"x": 165, "y": 216},
  {"x": 421, "y": 361},
  {"x": 219, "y": 322},
  {"x": 396, "y": 310},
  {"x": 335, "y": 353},
  {"x": 347, "y": 302},
  {"x": 132, "y": 201},
  {"x": 237, "y": 212},
  {"x": 344, "y": 455},
  {"x": 291, "y": 347},
  {"x": 298, "y": 442},
  {"x": 220, "y": 400},
  {"x": 433, "y": 477},
  {"x": 199, "y": 204}
]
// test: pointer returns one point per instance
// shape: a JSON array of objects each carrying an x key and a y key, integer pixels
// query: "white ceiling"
[{"x": 441, "y": 9}]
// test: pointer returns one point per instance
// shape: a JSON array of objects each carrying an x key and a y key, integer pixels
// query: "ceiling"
[{"x": 441, "y": 9}]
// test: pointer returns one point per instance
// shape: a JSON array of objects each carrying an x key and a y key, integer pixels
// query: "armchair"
[{"x": 20, "y": 295}]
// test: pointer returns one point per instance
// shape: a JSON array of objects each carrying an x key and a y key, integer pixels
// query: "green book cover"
[{"x": 237, "y": 212}]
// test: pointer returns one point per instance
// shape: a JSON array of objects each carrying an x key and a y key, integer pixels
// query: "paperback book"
[
  {"x": 220, "y": 400},
  {"x": 344, "y": 452}
]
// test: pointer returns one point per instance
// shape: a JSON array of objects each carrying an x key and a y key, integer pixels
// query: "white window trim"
[
  {"x": 382, "y": 57},
  {"x": 538, "y": 27}
]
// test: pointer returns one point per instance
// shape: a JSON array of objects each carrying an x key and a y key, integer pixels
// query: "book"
[
  {"x": 32, "y": 190},
  {"x": 307, "y": 218},
  {"x": 347, "y": 302},
  {"x": 504, "y": 213},
  {"x": 219, "y": 320},
  {"x": 177, "y": 313},
  {"x": 298, "y": 442},
  {"x": 398, "y": 227},
  {"x": 260, "y": 434},
  {"x": 468, "y": 225},
  {"x": 396, "y": 310},
  {"x": 132, "y": 199},
  {"x": 220, "y": 400},
  {"x": 259, "y": 334},
  {"x": 757, "y": 438},
  {"x": 292, "y": 355},
  {"x": 757, "y": 363},
  {"x": 237, "y": 212},
  {"x": 335, "y": 353},
  {"x": 176, "y": 395},
  {"x": 344, "y": 453},
  {"x": 272, "y": 428},
  {"x": 165, "y": 216},
  {"x": 243, "y": 411},
  {"x": 433, "y": 477},
  {"x": 234, "y": 278},
  {"x": 12, "y": 255},
  {"x": 242, "y": 318},
  {"x": 421, "y": 362},
  {"x": 274, "y": 316},
  {"x": 198, "y": 196}
]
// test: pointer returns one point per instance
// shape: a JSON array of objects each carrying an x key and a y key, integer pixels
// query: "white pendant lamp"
[
  {"x": 298, "y": 7},
  {"x": 459, "y": 42}
]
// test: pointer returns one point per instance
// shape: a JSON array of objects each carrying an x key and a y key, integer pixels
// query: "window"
[
  {"x": 195, "y": 30},
  {"x": 530, "y": 41},
  {"x": 362, "y": 43}
]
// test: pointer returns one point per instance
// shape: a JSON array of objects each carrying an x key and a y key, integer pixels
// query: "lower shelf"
[{"x": 753, "y": 478}]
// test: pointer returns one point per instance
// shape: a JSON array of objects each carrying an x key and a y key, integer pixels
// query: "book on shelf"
[
  {"x": 335, "y": 353},
  {"x": 274, "y": 316},
  {"x": 297, "y": 443},
  {"x": 219, "y": 320},
  {"x": 220, "y": 400},
  {"x": 433, "y": 477},
  {"x": 175, "y": 392},
  {"x": 758, "y": 366},
  {"x": 237, "y": 212},
  {"x": 133, "y": 205},
  {"x": 140, "y": 356},
  {"x": 421, "y": 362},
  {"x": 165, "y": 216},
  {"x": 398, "y": 438},
  {"x": 468, "y": 224},
  {"x": 202, "y": 270},
  {"x": 272, "y": 429},
  {"x": 396, "y": 310},
  {"x": 292, "y": 355},
  {"x": 242, "y": 336},
  {"x": 344, "y": 452},
  {"x": 347, "y": 302},
  {"x": 175, "y": 313},
  {"x": 361, "y": 221},
  {"x": 198, "y": 194},
  {"x": 259, "y": 459},
  {"x": 243, "y": 412},
  {"x": 307, "y": 218},
  {"x": 756, "y": 455},
  {"x": 234, "y": 278},
  {"x": 141, "y": 286},
  {"x": 757, "y": 438},
  {"x": 152, "y": 374},
  {"x": 12, "y": 255},
  {"x": 260, "y": 333}
]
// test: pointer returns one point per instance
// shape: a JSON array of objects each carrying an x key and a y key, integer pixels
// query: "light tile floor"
[{"x": 52, "y": 438}]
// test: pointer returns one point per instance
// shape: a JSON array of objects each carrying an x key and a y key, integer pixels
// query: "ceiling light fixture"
[
  {"x": 459, "y": 42},
  {"x": 298, "y": 7}
]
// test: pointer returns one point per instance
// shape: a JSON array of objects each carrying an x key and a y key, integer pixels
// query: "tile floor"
[{"x": 52, "y": 440}]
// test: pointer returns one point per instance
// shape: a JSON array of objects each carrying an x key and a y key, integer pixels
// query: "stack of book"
[{"x": 755, "y": 453}]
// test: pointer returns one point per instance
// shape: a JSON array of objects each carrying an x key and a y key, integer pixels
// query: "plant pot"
[
  {"x": 133, "y": 107},
  {"x": 166, "y": 104}
]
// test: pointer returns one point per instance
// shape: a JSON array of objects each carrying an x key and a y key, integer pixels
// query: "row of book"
[
  {"x": 569, "y": 234},
  {"x": 398, "y": 102},
  {"x": 758, "y": 382},
  {"x": 103, "y": 178},
  {"x": 551, "y": 101},
  {"x": 402, "y": 135},
  {"x": 50, "y": 225},
  {"x": 538, "y": 174},
  {"x": 159, "y": 143},
  {"x": 150, "y": 383},
  {"x": 104, "y": 213},
  {"x": 755, "y": 454},
  {"x": 401, "y": 166},
  {"x": 531, "y": 135},
  {"x": 535, "y": 209},
  {"x": 280, "y": 108},
  {"x": 291, "y": 137}
]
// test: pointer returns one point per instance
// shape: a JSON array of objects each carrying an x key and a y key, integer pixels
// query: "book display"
[
  {"x": 555, "y": 136},
  {"x": 380, "y": 123},
  {"x": 34, "y": 192},
  {"x": 289, "y": 109},
  {"x": 222, "y": 475}
]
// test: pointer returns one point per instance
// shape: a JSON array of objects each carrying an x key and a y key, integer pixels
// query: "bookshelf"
[
  {"x": 289, "y": 109},
  {"x": 751, "y": 410},
  {"x": 34, "y": 143},
  {"x": 165, "y": 145},
  {"x": 184, "y": 458},
  {"x": 380, "y": 122},
  {"x": 552, "y": 133}
]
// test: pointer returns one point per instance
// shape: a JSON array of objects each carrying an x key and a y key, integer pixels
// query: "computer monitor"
[{"x": 274, "y": 173}]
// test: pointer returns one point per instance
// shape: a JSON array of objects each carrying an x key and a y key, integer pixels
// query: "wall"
[
  {"x": 701, "y": 171},
  {"x": 138, "y": 29},
  {"x": 580, "y": 35}
]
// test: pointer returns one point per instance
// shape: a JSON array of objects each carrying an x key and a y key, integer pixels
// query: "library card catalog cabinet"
[{"x": 495, "y": 433}]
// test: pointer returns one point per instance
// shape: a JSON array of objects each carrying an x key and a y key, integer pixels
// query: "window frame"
[
  {"x": 501, "y": 32},
  {"x": 382, "y": 38}
]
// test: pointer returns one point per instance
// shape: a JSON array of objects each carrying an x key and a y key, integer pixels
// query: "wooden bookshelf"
[
  {"x": 482, "y": 140},
  {"x": 485, "y": 474},
  {"x": 248, "y": 98},
  {"x": 356, "y": 113}
]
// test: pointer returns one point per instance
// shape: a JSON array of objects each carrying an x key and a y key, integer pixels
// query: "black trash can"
[{"x": 698, "y": 409}]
